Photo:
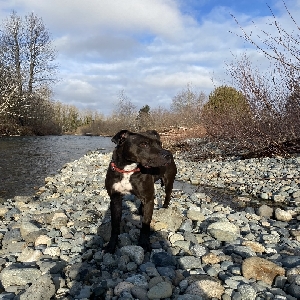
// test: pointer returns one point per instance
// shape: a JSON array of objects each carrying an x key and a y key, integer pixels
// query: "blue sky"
[{"x": 149, "y": 49}]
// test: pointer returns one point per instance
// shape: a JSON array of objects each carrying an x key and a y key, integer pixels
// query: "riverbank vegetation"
[{"x": 257, "y": 110}]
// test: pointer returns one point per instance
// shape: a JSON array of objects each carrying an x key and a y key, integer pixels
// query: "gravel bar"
[{"x": 202, "y": 247}]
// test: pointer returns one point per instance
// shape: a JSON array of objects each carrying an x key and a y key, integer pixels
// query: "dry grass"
[{"x": 177, "y": 136}]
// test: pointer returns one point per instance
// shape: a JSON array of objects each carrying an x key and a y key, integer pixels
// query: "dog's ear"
[
  {"x": 154, "y": 133},
  {"x": 120, "y": 137}
]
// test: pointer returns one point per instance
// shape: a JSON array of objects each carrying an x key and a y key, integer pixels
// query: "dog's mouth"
[
  {"x": 161, "y": 159},
  {"x": 150, "y": 164}
]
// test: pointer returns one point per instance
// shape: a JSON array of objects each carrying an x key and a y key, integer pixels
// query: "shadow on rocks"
[
  {"x": 173, "y": 269},
  {"x": 196, "y": 253}
]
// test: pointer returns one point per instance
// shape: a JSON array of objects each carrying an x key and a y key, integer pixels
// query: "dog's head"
[{"x": 144, "y": 148}]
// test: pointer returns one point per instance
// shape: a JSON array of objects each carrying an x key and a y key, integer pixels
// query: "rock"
[
  {"x": 136, "y": 253},
  {"x": 154, "y": 281},
  {"x": 29, "y": 255},
  {"x": 27, "y": 228},
  {"x": 223, "y": 231},
  {"x": 166, "y": 272},
  {"x": 176, "y": 237},
  {"x": 189, "y": 297},
  {"x": 59, "y": 220},
  {"x": 211, "y": 259},
  {"x": 265, "y": 211},
  {"x": 3, "y": 210},
  {"x": 189, "y": 262},
  {"x": 138, "y": 280},
  {"x": 42, "y": 288},
  {"x": 206, "y": 288},
  {"x": 242, "y": 251},
  {"x": 264, "y": 196},
  {"x": 282, "y": 215},
  {"x": 186, "y": 226},
  {"x": 18, "y": 275},
  {"x": 152, "y": 271},
  {"x": 294, "y": 290},
  {"x": 195, "y": 215},
  {"x": 60, "y": 235},
  {"x": 292, "y": 274},
  {"x": 198, "y": 250},
  {"x": 84, "y": 292},
  {"x": 42, "y": 240},
  {"x": 279, "y": 198},
  {"x": 160, "y": 291},
  {"x": 254, "y": 246},
  {"x": 162, "y": 259},
  {"x": 139, "y": 293},
  {"x": 170, "y": 216},
  {"x": 247, "y": 292},
  {"x": 261, "y": 269},
  {"x": 32, "y": 236},
  {"x": 123, "y": 286},
  {"x": 291, "y": 261},
  {"x": 183, "y": 245},
  {"x": 52, "y": 251}
]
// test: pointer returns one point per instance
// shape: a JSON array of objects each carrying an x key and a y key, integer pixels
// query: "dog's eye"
[{"x": 144, "y": 145}]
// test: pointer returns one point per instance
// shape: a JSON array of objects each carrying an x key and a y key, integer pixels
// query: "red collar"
[{"x": 115, "y": 168}]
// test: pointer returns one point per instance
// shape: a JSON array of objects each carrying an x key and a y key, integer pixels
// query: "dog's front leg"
[
  {"x": 116, "y": 215},
  {"x": 144, "y": 240},
  {"x": 168, "y": 191}
]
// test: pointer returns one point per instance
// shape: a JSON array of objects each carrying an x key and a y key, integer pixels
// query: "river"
[{"x": 26, "y": 161}]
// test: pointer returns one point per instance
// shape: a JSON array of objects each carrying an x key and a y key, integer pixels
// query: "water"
[{"x": 26, "y": 161}]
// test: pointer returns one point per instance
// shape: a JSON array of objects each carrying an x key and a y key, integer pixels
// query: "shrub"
[{"x": 227, "y": 115}]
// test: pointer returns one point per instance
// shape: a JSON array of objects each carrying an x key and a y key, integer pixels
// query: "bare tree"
[
  {"x": 39, "y": 54},
  {"x": 125, "y": 113},
  {"x": 268, "y": 92},
  {"x": 187, "y": 104},
  {"x": 27, "y": 68},
  {"x": 281, "y": 46},
  {"x": 11, "y": 39},
  {"x": 26, "y": 47}
]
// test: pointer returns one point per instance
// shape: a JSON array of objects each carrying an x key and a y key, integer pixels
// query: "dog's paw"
[
  {"x": 109, "y": 248},
  {"x": 145, "y": 244},
  {"x": 141, "y": 209}
]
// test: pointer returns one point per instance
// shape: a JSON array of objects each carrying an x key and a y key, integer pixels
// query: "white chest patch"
[{"x": 124, "y": 186}]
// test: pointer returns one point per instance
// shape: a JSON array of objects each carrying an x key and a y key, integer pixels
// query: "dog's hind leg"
[{"x": 116, "y": 215}]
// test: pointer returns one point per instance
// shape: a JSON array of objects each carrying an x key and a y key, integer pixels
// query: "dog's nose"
[{"x": 166, "y": 154}]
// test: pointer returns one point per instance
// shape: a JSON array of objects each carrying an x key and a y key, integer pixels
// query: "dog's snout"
[{"x": 166, "y": 154}]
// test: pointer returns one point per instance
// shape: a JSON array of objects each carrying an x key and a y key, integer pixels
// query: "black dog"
[{"x": 137, "y": 162}]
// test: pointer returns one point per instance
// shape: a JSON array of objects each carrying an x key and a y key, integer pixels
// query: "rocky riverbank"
[{"x": 202, "y": 247}]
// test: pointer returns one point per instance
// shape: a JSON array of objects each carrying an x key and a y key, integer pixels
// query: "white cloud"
[
  {"x": 151, "y": 49},
  {"x": 154, "y": 16},
  {"x": 179, "y": 79}
]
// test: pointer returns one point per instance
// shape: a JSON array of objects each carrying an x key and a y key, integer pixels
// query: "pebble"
[
  {"x": 160, "y": 291},
  {"x": 223, "y": 231},
  {"x": 203, "y": 246},
  {"x": 282, "y": 215},
  {"x": 207, "y": 288},
  {"x": 261, "y": 269}
]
